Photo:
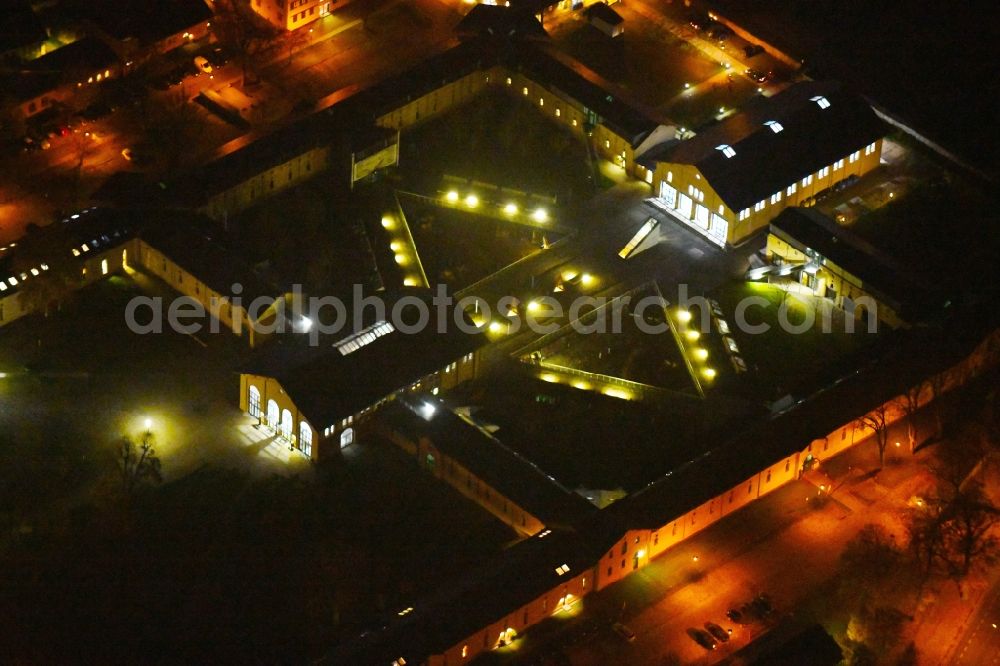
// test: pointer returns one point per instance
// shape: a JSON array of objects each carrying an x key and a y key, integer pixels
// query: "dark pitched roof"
[
  {"x": 884, "y": 277},
  {"x": 500, "y": 21},
  {"x": 84, "y": 55},
  {"x": 792, "y": 645},
  {"x": 98, "y": 228},
  {"x": 145, "y": 21},
  {"x": 600, "y": 10},
  {"x": 512, "y": 475},
  {"x": 766, "y": 162},
  {"x": 868, "y": 379},
  {"x": 486, "y": 595},
  {"x": 333, "y": 121},
  {"x": 19, "y": 26},
  {"x": 328, "y": 386},
  {"x": 192, "y": 245},
  {"x": 559, "y": 72}
]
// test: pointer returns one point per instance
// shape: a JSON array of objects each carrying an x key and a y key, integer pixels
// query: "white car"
[{"x": 202, "y": 63}]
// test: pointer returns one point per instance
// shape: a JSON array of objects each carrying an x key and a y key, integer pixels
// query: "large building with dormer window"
[{"x": 731, "y": 180}]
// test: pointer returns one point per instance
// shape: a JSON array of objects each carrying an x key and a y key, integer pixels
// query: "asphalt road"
[{"x": 979, "y": 644}]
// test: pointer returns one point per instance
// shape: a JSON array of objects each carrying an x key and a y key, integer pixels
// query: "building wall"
[
  {"x": 468, "y": 484},
  {"x": 557, "y": 600},
  {"x": 576, "y": 117},
  {"x": 423, "y": 108},
  {"x": 270, "y": 389},
  {"x": 94, "y": 266},
  {"x": 800, "y": 193},
  {"x": 843, "y": 283},
  {"x": 233, "y": 316},
  {"x": 270, "y": 181},
  {"x": 294, "y": 14}
]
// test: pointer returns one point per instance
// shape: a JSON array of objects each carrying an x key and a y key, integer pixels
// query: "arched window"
[
  {"x": 347, "y": 437},
  {"x": 286, "y": 424},
  {"x": 272, "y": 414},
  {"x": 305, "y": 438},
  {"x": 254, "y": 402}
]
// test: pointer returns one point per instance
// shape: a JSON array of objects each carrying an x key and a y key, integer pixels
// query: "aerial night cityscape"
[{"x": 543, "y": 332}]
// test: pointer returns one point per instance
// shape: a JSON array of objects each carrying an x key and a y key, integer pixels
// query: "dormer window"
[
  {"x": 774, "y": 125},
  {"x": 821, "y": 102},
  {"x": 726, "y": 149}
]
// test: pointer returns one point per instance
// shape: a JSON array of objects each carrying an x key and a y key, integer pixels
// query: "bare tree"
[
  {"x": 138, "y": 463},
  {"x": 251, "y": 37},
  {"x": 910, "y": 403},
  {"x": 968, "y": 531},
  {"x": 876, "y": 421}
]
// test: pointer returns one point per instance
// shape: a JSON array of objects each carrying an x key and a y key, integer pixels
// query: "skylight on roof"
[
  {"x": 821, "y": 101},
  {"x": 562, "y": 569},
  {"x": 726, "y": 149},
  {"x": 774, "y": 125},
  {"x": 366, "y": 336}
]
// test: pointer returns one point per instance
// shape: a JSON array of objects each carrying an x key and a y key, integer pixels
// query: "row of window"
[{"x": 806, "y": 181}]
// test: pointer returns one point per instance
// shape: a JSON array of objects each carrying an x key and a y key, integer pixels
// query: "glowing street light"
[
  {"x": 701, "y": 353},
  {"x": 510, "y": 209},
  {"x": 586, "y": 279},
  {"x": 540, "y": 215},
  {"x": 533, "y": 306},
  {"x": 472, "y": 201},
  {"x": 387, "y": 222},
  {"x": 683, "y": 316},
  {"x": 147, "y": 423},
  {"x": 400, "y": 258},
  {"x": 692, "y": 335},
  {"x": 709, "y": 373},
  {"x": 452, "y": 196}
]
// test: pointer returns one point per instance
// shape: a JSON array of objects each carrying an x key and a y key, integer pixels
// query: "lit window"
[
  {"x": 541, "y": 101},
  {"x": 721, "y": 209},
  {"x": 465, "y": 651},
  {"x": 774, "y": 125},
  {"x": 744, "y": 214},
  {"x": 791, "y": 189},
  {"x": 670, "y": 176},
  {"x": 509, "y": 80},
  {"x": 839, "y": 164},
  {"x": 726, "y": 149},
  {"x": 361, "y": 338},
  {"x": 562, "y": 569},
  {"x": 759, "y": 206},
  {"x": 776, "y": 197},
  {"x": 807, "y": 181},
  {"x": 870, "y": 148},
  {"x": 574, "y": 122},
  {"x": 558, "y": 113},
  {"x": 525, "y": 90},
  {"x": 821, "y": 102},
  {"x": 854, "y": 156},
  {"x": 607, "y": 143},
  {"x": 824, "y": 172}
]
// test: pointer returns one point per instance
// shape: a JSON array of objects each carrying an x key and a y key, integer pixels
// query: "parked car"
[
  {"x": 736, "y": 616},
  {"x": 96, "y": 110},
  {"x": 702, "y": 638},
  {"x": 623, "y": 631},
  {"x": 757, "y": 75},
  {"x": 717, "y": 632},
  {"x": 202, "y": 63},
  {"x": 750, "y": 50}
]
